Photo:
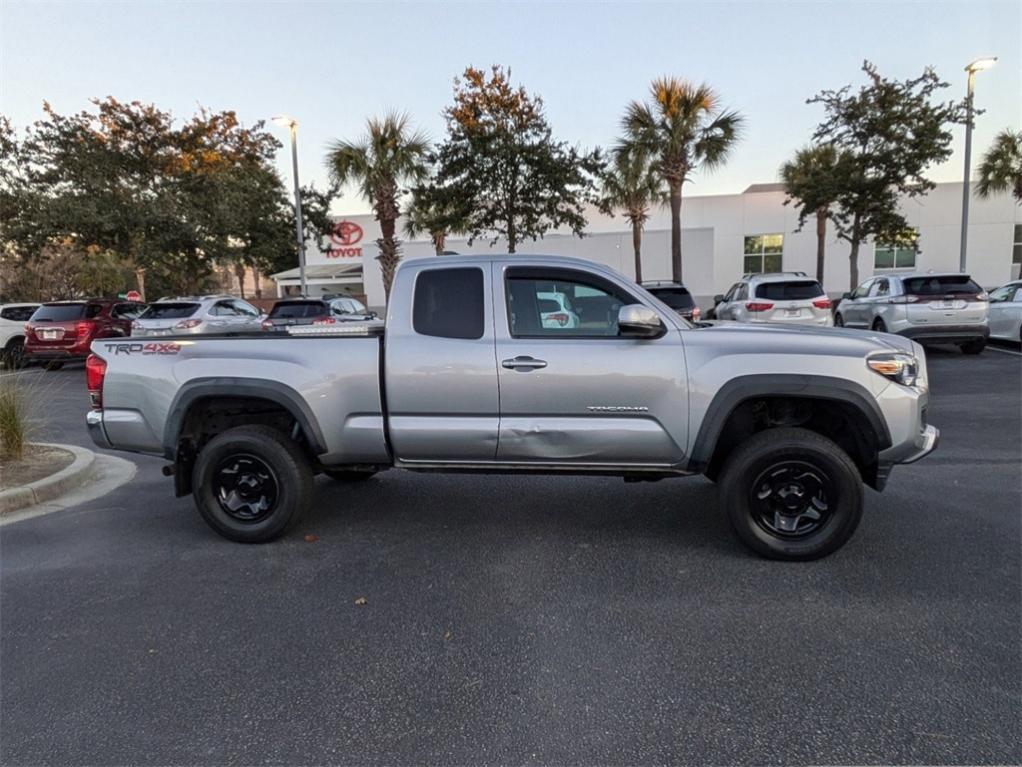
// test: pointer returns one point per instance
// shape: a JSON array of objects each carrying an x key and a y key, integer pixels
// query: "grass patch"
[{"x": 14, "y": 418}]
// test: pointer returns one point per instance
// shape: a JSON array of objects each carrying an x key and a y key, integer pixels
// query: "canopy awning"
[{"x": 320, "y": 274}]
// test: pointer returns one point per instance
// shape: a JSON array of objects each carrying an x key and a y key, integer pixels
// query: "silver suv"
[
  {"x": 197, "y": 314},
  {"x": 935, "y": 308},
  {"x": 776, "y": 297}
]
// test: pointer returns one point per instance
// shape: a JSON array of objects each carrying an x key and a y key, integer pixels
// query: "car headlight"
[{"x": 898, "y": 366}]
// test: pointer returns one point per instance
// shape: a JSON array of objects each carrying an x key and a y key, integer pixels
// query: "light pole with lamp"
[
  {"x": 292, "y": 125},
  {"x": 977, "y": 66}
]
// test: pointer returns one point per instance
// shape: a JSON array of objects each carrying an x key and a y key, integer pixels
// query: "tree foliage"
[
  {"x": 389, "y": 157},
  {"x": 631, "y": 185},
  {"x": 502, "y": 168},
  {"x": 887, "y": 134},
  {"x": 811, "y": 179},
  {"x": 434, "y": 212},
  {"x": 1001, "y": 167},
  {"x": 173, "y": 198},
  {"x": 685, "y": 129}
]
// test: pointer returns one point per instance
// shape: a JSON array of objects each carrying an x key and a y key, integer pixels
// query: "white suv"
[
  {"x": 197, "y": 315},
  {"x": 12, "y": 332},
  {"x": 778, "y": 297}
]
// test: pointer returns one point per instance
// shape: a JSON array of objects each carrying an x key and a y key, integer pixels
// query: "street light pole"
[
  {"x": 977, "y": 66},
  {"x": 292, "y": 125}
]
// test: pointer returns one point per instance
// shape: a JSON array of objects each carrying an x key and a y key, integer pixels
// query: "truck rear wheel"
[
  {"x": 252, "y": 483},
  {"x": 791, "y": 494}
]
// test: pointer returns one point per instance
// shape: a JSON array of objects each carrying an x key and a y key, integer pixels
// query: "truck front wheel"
[
  {"x": 791, "y": 494},
  {"x": 251, "y": 483}
]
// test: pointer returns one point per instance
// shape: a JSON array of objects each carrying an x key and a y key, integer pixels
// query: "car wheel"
[
  {"x": 791, "y": 494},
  {"x": 252, "y": 483},
  {"x": 839, "y": 321},
  {"x": 348, "y": 475},
  {"x": 879, "y": 326},
  {"x": 13, "y": 356},
  {"x": 973, "y": 347}
]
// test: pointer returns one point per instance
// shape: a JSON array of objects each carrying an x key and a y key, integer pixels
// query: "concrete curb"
[{"x": 69, "y": 478}]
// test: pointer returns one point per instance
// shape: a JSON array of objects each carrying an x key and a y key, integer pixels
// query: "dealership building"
[{"x": 723, "y": 236}]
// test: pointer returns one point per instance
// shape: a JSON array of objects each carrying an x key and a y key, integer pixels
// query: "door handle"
[{"x": 524, "y": 363}]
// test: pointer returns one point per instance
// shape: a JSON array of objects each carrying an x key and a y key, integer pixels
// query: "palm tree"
[
  {"x": 433, "y": 212},
  {"x": 632, "y": 185},
  {"x": 389, "y": 156},
  {"x": 1001, "y": 168},
  {"x": 684, "y": 129},
  {"x": 809, "y": 178}
]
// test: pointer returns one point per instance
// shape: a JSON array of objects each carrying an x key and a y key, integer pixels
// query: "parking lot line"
[{"x": 1004, "y": 351}]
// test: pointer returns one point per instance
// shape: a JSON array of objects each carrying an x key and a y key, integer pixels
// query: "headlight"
[{"x": 898, "y": 366}]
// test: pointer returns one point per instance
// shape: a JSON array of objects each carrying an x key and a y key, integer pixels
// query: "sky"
[{"x": 333, "y": 64}]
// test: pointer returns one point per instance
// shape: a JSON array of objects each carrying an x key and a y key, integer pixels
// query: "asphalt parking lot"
[{"x": 526, "y": 620}]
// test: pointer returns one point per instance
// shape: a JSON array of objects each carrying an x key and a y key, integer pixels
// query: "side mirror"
[
  {"x": 639, "y": 321},
  {"x": 718, "y": 299},
  {"x": 845, "y": 295}
]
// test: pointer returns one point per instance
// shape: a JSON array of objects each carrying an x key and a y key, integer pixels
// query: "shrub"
[{"x": 13, "y": 419}]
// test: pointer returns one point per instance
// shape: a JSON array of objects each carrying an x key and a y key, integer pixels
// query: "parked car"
[
  {"x": 315, "y": 311},
  {"x": 788, "y": 297},
  {"x": 61, "y": 331},
  {"x": 929, "y": 308},
  {"x": 676, "y": 296},
  {"x": 555, "y": 311},
  {"x": 196, "y": 315},
  {"x": 465, "y": 377},
  {"x": 1005, "y": 313},
  {"x": 12, "y": 332}
]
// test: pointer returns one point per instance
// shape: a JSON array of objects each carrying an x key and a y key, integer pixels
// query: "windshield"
[
  {"x": 169, "y": 311},
  {"x": 59, "y": 312},
  {"x": 296, "y": 310},
  {"x": 789, "y": 291},
  {"x": 941, "y": 286},
  {"x": 676, "y": 298}
]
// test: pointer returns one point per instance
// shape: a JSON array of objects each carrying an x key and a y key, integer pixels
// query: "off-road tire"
[
  {"x": 754, "y": 458},
  {"x": 290, "y": 471}
]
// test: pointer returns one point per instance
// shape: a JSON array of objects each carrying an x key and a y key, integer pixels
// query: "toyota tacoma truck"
[{"x": 467, "y": 374}]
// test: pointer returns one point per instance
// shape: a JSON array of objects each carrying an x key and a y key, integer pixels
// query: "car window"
[
  {"x": 448, "y": 303},
  {"x": 554, "y": 303},
  {"x": 245, "y": 309},
  {"x": 17, "y": 313},
  {"x": 1018, "y": 295},
  {"x": 58, "y": 312},
  {"x": 296, "y": 310},
  {"x": 863, "y": 290},
  {"x": 742, "y": 293},
  {"x": 169, "y": 311},
  {"x": 1004, "y": 293},
  {"x": 880, "y": 288},
  {"x": 127, "y": 311},
  {"x": 941, "y": 285},
  {"x": 224, "y": 309},
  {"x": 789, "y": 290},
  {"x": 676, "y": 298}
]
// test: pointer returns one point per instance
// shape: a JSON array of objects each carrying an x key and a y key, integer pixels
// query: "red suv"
[{"x": 64, "y": 330}]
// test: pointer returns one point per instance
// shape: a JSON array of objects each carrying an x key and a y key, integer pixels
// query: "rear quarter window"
[
  {"x": 17, "y": 313},
  {"x": 789, "y": 291},
  {"x": 448, "y": 303}
]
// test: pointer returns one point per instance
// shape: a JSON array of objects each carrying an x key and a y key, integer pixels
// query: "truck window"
[
  {"x": 562, "y": 304},
  {"x": 448, "y": 303}
]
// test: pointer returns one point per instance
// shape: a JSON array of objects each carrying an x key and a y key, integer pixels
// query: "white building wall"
[{"x": 713, "y": 231}]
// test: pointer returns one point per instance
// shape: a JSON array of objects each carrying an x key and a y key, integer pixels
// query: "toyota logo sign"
[{"x": 345, "y": 233}]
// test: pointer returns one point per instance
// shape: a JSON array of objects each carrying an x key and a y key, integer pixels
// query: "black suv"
[{"x": 676, "y": 296}]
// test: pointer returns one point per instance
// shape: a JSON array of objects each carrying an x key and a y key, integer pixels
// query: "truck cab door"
[
  {"x": 440, "y": 372},
  {"x": 580, "y": 394}
]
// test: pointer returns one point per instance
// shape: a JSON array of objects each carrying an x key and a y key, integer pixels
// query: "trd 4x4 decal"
[{"x": 138, "y": 348}]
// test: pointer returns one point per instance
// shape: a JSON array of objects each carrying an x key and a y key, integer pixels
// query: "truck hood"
[{"x": 796, "y": 338}]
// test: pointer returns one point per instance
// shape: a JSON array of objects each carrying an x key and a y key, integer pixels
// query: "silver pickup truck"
[{"x": 532, "y": 365}]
